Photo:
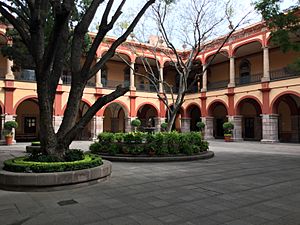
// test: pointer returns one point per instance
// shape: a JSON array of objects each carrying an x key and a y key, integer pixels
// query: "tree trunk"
[{"x": 171, "y": 121}]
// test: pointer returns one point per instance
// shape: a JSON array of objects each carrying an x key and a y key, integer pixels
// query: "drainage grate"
[{"x": 67, "y": 202}]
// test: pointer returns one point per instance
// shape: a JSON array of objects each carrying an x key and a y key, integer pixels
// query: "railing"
[
  {"x": 67, "y": 79},
  {"x": 217, "y": 85},
  {"x": 251, "y": 79},
  {"x": 283, "y": 73},
  {"x": 26, "y": 75},
  {"x": 114, "y": 83},
  {"x": 146, "y": 87}
]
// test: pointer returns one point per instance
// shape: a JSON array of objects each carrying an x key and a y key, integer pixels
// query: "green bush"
[
  {"x": 74, "y": 155},
  {"x": 21, "y": 164},
  {"x": 9, "y": 125},
  {"x": 228, "y": 127},
  {"x": 136, "y": 123},
  {"x": 200, "y": 125},
  {"x": 161, "y": 143},
  {"x": 164, "y": 126}
]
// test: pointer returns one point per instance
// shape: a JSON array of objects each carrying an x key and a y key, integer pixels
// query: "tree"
[
  {"x": 284, "y": 25},
  {"x": 48, "y": 29},
  {"x": 198, "y": 25}
]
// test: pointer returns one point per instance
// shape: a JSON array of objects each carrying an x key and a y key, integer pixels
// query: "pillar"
[
  {"x": 266, "y": 65},
  {"x": 98, "y": 79},
  {"x": 8, "y": 73},
  {"x": 158, "y": 121},
  {"x": 209, "y": 127},
  {"x": 96, "y": 127},
  {"x": 204, "y": 79},
  {"x": 269, "y": 128},
  {"x": 128, "y": 127},
  {"x": 161, "y": 79},
  {"x": 57, "y": 122},
  {"x": 132, "y": 84},
  {"x": 185, "y": 125},
  {"x": 237, "y": 123},
  {"x": 232, "y": 72}
]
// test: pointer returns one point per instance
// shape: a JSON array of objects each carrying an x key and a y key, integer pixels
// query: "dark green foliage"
[
  {"x": 162, "y": 143},
  {"x": 10, "y": 125},
  {"x": 74, "y": 155},
  {"x": 284, "y": 25},
  {"x": 21, "y": 164},
  {"x": 136, "y": 123},
  {"x": 228, "y": 127},
  {"x": 164, "y": 126},
  {"x": 200, "y": 125}
]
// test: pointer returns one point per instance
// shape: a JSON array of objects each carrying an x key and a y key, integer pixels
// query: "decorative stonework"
[
  {"x": 185, "y": 125},
  {"x": 270, "y": 128},
  {"x": 209, "y": 127}
]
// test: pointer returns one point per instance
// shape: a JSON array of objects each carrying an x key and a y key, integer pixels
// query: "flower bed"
[
  {"x": 157, "y": 144},
  {"x": 22, "y": 164}
]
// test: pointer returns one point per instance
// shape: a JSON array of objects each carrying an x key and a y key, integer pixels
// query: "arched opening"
[
  {"x": 149, "y": 68},
  {"x": 194, "y": 113},
  {"x": 251, "y": 120},
  {"x": 114, "y": 118},
  {"x": 218, "y": 71},
  {"x": 28, "y": 116},
  {"x": 288, "y": 109},
  {"x": 104, "y": 80},
  {"x": 147, "y": 114},
  {"x": 219, "y": 112},
  {"x": 86, "y": 132},
  {"x": 249, "y": 63}
]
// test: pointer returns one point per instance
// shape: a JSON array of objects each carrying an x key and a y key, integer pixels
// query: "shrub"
[
  {"x": 21, "y": 164},
  {"x": 164, "y": 126},
  {"x": 200, "y": 125},
  {"x": 74, "y": 155},
  {"x": 9, "y": 125},
  {"x": 228, "y": 127},
  {"x": 136, "y": 123},
  {"x": 161, "y": 143}
]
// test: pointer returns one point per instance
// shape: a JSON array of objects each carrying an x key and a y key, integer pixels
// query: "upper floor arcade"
[{"x": 247, "y": 58}]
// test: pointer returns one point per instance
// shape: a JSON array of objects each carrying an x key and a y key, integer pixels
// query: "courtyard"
[{"x": 245, "y": 183}]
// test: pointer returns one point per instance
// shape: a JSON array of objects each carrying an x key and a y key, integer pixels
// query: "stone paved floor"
[{"x": 245, "y": 183}]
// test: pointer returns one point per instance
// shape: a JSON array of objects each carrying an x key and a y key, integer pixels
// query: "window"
[{"x": 30, "y": 125}]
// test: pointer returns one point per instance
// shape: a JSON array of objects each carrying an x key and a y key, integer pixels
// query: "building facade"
[{"x": 249, "y": 82}]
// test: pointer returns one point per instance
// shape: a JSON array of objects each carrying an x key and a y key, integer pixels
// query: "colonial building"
[{"x": 249, "y": 82}]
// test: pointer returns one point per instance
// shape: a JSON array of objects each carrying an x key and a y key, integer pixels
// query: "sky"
[{"x": 147, "y": 27}]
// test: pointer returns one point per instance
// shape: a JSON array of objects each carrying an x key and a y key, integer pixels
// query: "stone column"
[
  {"x": 185, "y": 125},
  {"x": 98, "y": 79},
  {"x": 132, "y": 84},
  {"x": 56, "y": 122},
  {"x": 232, "y": 72},
  {"x": 269, "y": 128},
  {"x": 158, "y": 121},
  {"x": 128, "y": 127},
  {"x": 161, "y": 79},
  {"x": 96, "y": 127},
  {"x": 209, "y": 127},
  {"x": 266, "y": 64},
  {"x": 2, "y": 126},
  {"x": 237, "y": 123},
  {"x": 8, "y": 73},
  {"x": 204, "y": 79}
]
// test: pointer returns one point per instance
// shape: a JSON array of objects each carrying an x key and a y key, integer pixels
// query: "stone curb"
[
  {"x": 8, "y": 178},
  {"x": 206, "y": 155}
]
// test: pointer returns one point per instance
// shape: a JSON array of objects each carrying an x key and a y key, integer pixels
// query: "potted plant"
[
  {"x": 9, "y": 135},
  {"x": 164, "y": 126},
  {"x": 228, "y": 128},
  {"x": 136, "y": 123},
  {"x": 201, "y": 127}
]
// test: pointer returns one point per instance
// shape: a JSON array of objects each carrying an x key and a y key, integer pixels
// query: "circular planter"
[
  {"x": 13, "y": 179},
  {"x": 145, "y": 158}
]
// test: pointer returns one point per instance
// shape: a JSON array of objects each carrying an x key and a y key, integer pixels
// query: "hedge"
[
  {"x": 162, "y": 143},
  {"x": 21, "y": 164}
]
